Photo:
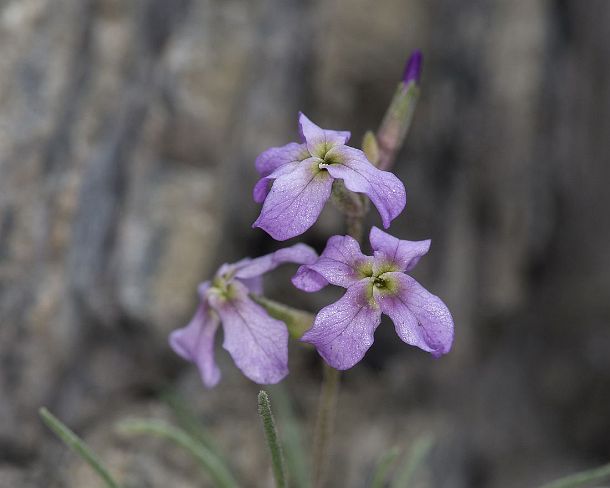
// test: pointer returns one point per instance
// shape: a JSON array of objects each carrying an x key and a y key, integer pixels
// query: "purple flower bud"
[{"x": 413, "y": 67}]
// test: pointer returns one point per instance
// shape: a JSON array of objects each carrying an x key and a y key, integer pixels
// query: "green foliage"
[
  {"x": 416, "y": 456},
  {"x": 77, "y": 445},
  {"x": 211, "y": 463},
  {"x": 273, "y": 442},
  {"x": 582, "y": 479}
]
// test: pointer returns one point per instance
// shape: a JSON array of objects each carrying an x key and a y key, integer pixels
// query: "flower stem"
[{"x": 325, "y": 424}]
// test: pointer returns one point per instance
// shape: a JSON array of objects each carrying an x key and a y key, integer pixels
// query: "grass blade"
[
  {"x": 209, "y": 461},
  {"x": 419, "y": 451},
  {"x": 188, "y": 421},
  {"x": 581, "y": 479},
  {"x": 384, "y": 465},
  {"x": 77, "y": 445},
  {"x": 277, "y": 456}
]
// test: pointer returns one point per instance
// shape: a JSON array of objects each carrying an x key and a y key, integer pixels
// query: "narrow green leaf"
[
  {"x": 209, "y": 461},
  {"x": 417, "y": 454},
  {"x": 77, "y": 445},
  {"x": 384, "y": 465},
  {"x": 581, "y": 479},
  {"x": 297, "y": 457},
  {"x": 188, "y": 421},
  {"x": 277, "y": 456}
]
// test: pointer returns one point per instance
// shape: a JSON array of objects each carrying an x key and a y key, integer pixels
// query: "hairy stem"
[{"x": 273, "y": 442}]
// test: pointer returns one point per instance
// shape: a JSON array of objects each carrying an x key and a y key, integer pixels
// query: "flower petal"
[
  {"x": 195, "y": 343},
  {"x": 299, "y": 254},
  {"x": 319, "y": 140},
  {"x": 404, "y": 254},
  {"x": 295, "y": 201},
  {"x": 263, "y": 186},
  {"x": 343, "y": 331},
  {"x": 342, "y": 263},
  {"x": 257, "y": 343},
  {"x": 384, "y": 189},
  {"x": 308, "y": 280},
  {"x": 420, "y": 318},
  {"x": 271, "y": 159}
]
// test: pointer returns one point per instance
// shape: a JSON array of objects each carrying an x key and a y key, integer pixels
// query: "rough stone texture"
[{"x": 127, "y": 135}]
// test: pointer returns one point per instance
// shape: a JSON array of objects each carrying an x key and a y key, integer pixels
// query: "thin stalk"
[
  {"x": 77, "y": 445},
  {"x": 581, "y": 479},
  {"x": 277, "y": 455},
  {"x": 325, "y": 423}
]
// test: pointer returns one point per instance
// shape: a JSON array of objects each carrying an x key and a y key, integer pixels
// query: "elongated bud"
[
  {"x": 398, "y": 117},
  {"x": 413, "y": 68}
]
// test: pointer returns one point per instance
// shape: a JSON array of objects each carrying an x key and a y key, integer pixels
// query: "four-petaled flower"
[
  {"x": 296, "y": 181},
  {"x": 343, "y": 331},
  {"x": 257, "y": 342}
]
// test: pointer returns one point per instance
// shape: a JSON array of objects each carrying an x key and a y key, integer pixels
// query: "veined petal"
[
  {"x": 195, "y": 343},
  {"x": 295, "y": 201},
  {"x": 343, "y": 331},
  {"x": 404, "y": 254},
  {"x": 319, "y": 140},
  {"x": 263, "y": 186},
  {"x": 342, "y": 263},
  {"x": 420, "y": 318},
  {"x": 308, "y": 280},
  {"x": 271, "y": 159},
  {"x": 257, "y": 343},
  {"x": 384, "y": 189},
  {"x": 299, "y": 254}
]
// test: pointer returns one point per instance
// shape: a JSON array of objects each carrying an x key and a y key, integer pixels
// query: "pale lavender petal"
[
  {"x": 343, "y": 331},
  {"x": 195, "y": 343},
  {"x": 420, "y": 318},
  {"x": 307, "y": 279},
  {"x": 319, "y": 140},
  {"x": 271, "y": 159},
  {"x": 342, "y": 263},
  {"x": 257, "y": 343},
  {"x": 295, "y": 201},
  {"x": 254, "y": 284},
  {"x": 384, "y": 189},
  {"x": 299, "y": 254},
  {"x": 404, "y": 254},
  {"x": 261, "y": 189},
  {"x": 263, "y": 186}
]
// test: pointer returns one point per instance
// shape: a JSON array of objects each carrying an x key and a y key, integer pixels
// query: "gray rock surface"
[{"x": 127, "y": 136}]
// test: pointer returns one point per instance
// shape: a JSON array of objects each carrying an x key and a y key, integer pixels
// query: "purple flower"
[
  {"x": 343, "y": 331},
  {"x": 257, "y": 342},
  {"x": 296, "y": 180}
]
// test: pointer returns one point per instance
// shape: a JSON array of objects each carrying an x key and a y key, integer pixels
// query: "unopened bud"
[{"x": 397, "y": 120}]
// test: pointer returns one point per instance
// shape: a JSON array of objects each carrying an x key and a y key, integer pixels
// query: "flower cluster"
[{"x": 296, "y": 181}]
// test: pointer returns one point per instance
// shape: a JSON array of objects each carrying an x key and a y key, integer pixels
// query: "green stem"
[
  {"x": 77, "y": 445},
  {"x": 277, "y": 455},
  {"x": 325, "y": 424},
  {"x": 584, "y": 478}
]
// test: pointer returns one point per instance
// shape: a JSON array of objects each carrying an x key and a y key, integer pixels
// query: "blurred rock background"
[{"x": 127, "y": 136}]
